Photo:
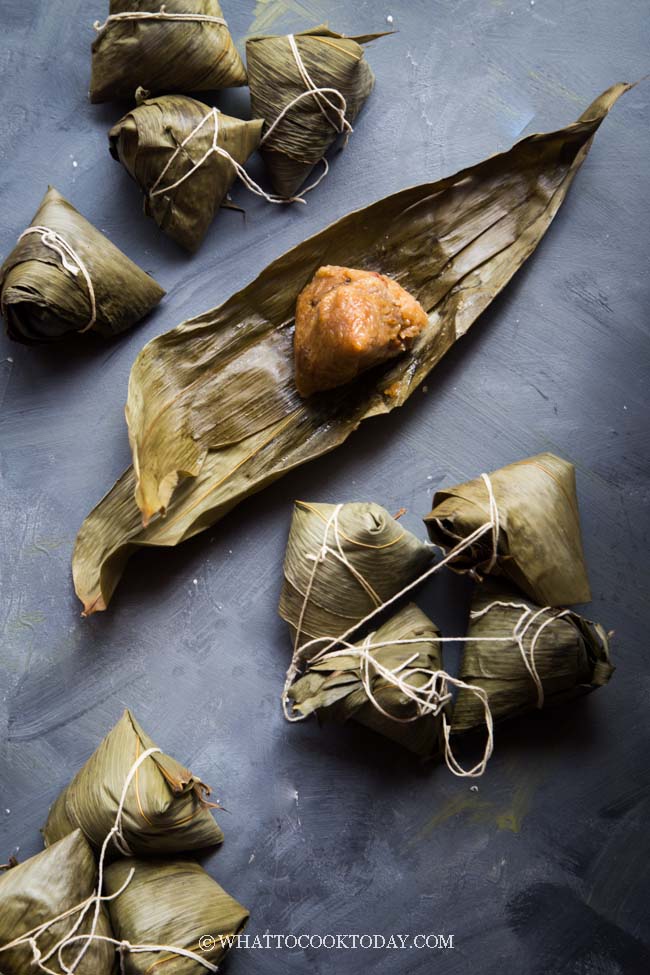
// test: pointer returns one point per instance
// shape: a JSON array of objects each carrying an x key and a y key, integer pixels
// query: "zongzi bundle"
[
  {"x": 167, "y": 145},
  {"x": 43, "y": 888},
  {"x": 166, "y": 809},
  {"x": 342, "y": 561},
  {"x": 539, "y": 546},
  {"x": 64, "y": 277},
  {"x": 183, "y": 46},
  {"x": 336, "y": 685},
  {"x": 175, "y": 903},
  {"x": 348, "y": 321},
  {"x": 308, "y": 88},
  {"x": 526, "y": 656}
]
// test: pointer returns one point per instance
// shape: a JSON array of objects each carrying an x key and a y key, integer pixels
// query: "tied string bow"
[
  {"x": 71, "y": 262},
  {"x": 94, "y": 903},
  {"x": 431, "y": 695}
]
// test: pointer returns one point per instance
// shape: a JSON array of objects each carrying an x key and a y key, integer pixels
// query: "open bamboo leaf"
[
  {"x": 569, "y": 653},
  {"x": 303, "y": 135},
  {"x": 43, "y": 888},
  {"x": 382, "y": 558},
  {"x": 166, "y": 809},
  {"x": 333, "y": 687},
  {"x": 213, "y": 411},
  {"x": 164, "y": 144},
  {"x": 539, "y": 545},
  {"x": 141, "y": 46},
  {"x": 175, "y": 903},
  {"x": 44, "y": 292}
]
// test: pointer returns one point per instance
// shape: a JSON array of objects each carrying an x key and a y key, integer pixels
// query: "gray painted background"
[{"x": 545, "y": 868}]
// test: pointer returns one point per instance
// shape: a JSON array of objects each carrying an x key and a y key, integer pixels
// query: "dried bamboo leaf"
[
  {"x": 163, "y": 55},
  {"x": 42, "y": 888},
  {"x": 385, "y": 555},
  {"x": 146, "y": 141},
  {"x": 43, "y": 301},
  {"x": 333, "y": 689},
  {"x": 571, "y": 657},
  {"x": 213, "y": 411},
  {"x": 170, "y": 902},
  {"x": 306, "y": 132},
  {"x": 539, "y": 545},
  {"x": 165, "y": 809}
]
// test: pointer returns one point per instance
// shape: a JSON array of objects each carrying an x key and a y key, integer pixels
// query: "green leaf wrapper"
[
  {"x": 42, "y": 888},
  {"x": 147, "y": 139},
  {"x": 539, "y": 544},
  {"x": 304, "y": 135},
  {"x": 333, "y": 689},
  {"x": 213, "y": 411},
  {"x": 170, "y": 902},
  {"x": 43, "y": 302},
  {"x": 571, "y": 658},
  {"x": 163, "y": 55},
  {"x": 165, "y": 809}
]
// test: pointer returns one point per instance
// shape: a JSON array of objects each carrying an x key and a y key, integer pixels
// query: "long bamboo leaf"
[{"x": 213, "y": 412}]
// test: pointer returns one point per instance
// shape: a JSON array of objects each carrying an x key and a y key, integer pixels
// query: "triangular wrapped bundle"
[
  {"x": 324, "y": 597},
  {"x": 165, "y": 811},
  {"x": 43, "y": 888},
  {"x": 175, "y": 903},
  {"x": 312, "y": 123},
  {"x": 64, "y": 277},
  {"x": 165, "y": 145},
  {"x": 569, "y": 654},
  {"x": 333, "y": 687},
  {"x": 539, "y": 547},
  {"x": 185, "y": 45}
]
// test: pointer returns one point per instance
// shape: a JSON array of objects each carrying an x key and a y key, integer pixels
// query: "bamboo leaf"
[{"x": 213, "y": 412}]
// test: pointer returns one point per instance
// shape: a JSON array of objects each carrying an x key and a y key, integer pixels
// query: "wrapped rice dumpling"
[
  {"x": 165, "y": 810},
  {"x": 170, "y": 902},
  {"x": 165, "y": 143},
  {"x": 281, "y": 70},
  {"x": 43, "y": 888},
  {"x": 64, "y": 277},
  {"x": 182, "y": 46},
  {"x": 326, "y": 597},
  {"x": 539, "y": 546},
  {"x": 333, "y": 687},
  {"x": 569, "y": 654},
  {"x": 348, "y": 321}
]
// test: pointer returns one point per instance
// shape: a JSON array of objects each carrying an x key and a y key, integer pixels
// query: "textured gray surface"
[{"x": 544, "y": 869}]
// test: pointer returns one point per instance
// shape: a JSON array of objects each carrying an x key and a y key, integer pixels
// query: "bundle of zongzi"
[
  {"x": 183, "y": 46},
  {"x": 526, "y": 656},
  {"x": 348, "y": 321},
  {"x": 165, "y": 811},
  {"x": 308, "y": 88},
  {"x": 336, "y": 684},
  {"x": 213, "y": 411},
  {"x": 167, "y": 145},
  {"x": 539, "y": 546},
  {"x": 64, "y": 277},
  {"x": 41, "y": 889},
  {"x": 173, "y": 903},
  {"x": 342, "y": 561}
]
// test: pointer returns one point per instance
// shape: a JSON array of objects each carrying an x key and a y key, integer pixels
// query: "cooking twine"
[
  {"x": 70, "y": 260},
  {"x": 123, "y": 948},
  {"x": 214, "y": 149},
  {"x": 432, "y": 696},
  {"x": 158, "y": 15}
]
